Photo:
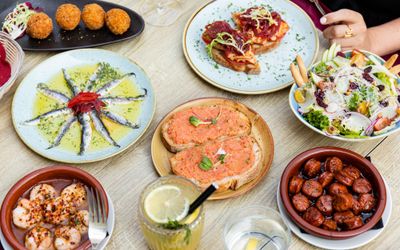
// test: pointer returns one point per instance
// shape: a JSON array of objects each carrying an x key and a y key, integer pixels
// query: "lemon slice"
[
  {"x": 166, "y": 203},
  {"x": 252, "y": 244}
]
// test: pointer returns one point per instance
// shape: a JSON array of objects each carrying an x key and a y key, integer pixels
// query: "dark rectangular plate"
[{"x": 80, "y": 37}]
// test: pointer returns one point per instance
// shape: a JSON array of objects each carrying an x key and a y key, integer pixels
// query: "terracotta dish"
[
  {"x": 30, "y": 180},
  {"x": 367, "y": 169}
]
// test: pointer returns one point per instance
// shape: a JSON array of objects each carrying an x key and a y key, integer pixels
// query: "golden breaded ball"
[
  {"x": 118, "y": 21},
  {"x": 93, "y": 16},
  {"x": 39, "y": 26},
  {"x": 68, "y": 16}
]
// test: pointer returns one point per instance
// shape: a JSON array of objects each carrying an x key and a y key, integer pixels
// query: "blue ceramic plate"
[
  {"x": 295, "y": 107},
  {"x": 301, "y": 39},
  {"x": 29, "y": 103}
]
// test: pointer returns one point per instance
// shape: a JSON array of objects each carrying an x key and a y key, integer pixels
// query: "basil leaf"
[
  {"x": 205, "y": 164},
  {"x": 194, "y": 121},
  {"x": 221, "y": 158}
]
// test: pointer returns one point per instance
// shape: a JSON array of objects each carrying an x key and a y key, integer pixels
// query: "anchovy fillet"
[
  {"x": 110, "y": 85},
  {"x": 119, "y": 119},
  {"x": 86, "y": 135},
  {"x": 92, "y": 79},
  {"x": 119, "y": 99},
  {"x": 101, "y": 128},
  {"x": 63, "y": 130},
  {"x": 52, "y": 93},
  {"x": 71, "y": 84},
  {"x": 51, "y": 113}
]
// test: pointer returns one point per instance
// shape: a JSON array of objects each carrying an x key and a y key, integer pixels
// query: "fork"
[
  {"x": 97, "y": 218},
  {"x": 319, "y": 7}
]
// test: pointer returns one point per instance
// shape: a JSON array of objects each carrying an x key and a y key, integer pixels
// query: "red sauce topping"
[
  {"x": 85, "y": 102},
  {"x": 265, "y": 30},
  {"x": 5, "y": 68},
  {"x": 213, "y": 29}
]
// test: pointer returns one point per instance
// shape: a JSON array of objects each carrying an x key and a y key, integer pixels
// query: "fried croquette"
[
  {"x": 93, "y": 16},
  {"x": 39, "y": 26},
  {"x": 68, "y": 16},
  {"x": 118, "y": 21}
]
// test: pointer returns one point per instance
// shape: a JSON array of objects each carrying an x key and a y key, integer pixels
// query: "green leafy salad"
[{"x": 351, "y": 95}]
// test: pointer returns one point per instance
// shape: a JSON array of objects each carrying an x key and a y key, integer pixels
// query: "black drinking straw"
[{"x": 202, "y": 198}]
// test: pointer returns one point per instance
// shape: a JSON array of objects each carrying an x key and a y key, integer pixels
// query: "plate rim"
[
  {"x": 233, "y": 90},
  {"x": 230, "y": 193},
  {"x": 154, "y": 103}
]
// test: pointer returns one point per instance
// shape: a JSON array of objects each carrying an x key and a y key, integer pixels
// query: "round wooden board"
[{"x": 260, "y": 131}]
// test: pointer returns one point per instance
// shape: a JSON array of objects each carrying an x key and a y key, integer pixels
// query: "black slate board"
[{"x": 80, "y": 37}]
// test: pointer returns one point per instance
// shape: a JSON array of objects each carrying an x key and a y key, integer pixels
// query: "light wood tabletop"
[{"x": 159, "y": 52}]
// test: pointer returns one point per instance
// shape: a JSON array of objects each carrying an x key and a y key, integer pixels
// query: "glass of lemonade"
[
  {"x": 256, "y": 228},
  {"x": 163, "y": 209}
]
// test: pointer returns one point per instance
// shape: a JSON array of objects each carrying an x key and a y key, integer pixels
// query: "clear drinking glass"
[
  {"x": 159, "y": 238},
  {"x": 161, "y": 12},
  {"x": 256, "y": 227}
]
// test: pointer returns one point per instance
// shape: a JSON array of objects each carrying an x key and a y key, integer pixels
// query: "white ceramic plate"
[
  {"x": 350, "y": 243},
  {"x": 294, "y": 106},
  {"x": 26, "y": 94},
  {"x": 110, "y": 228},
  {"x": 301, "y": 39}
]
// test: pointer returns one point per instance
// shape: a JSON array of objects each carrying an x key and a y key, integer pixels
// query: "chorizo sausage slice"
[
  {"x": 362, "y": 186},
  {"x": 325, "y": 178},
  {"x": 367, "y": 202},
  {"x": 352, "y": 172},
  {"x": 337, "y": 188},
  {"x": 324, "y": 204},
  {"x": 313, "y": 216},
  {"x": 295, "y": 184},
  {"x": 333, "y": 164},
  {"x": 342, "y": 202},
  {"x": 342, "y": 177},
  {"x": 300, "y": 202},
  {"x": 339, "y": 217},
  {"x": 312, "y": 189},
  {"x": 353, "y": 223},
  {"x": 329, "y": 225},
  {"x": 312, "y": 168}
]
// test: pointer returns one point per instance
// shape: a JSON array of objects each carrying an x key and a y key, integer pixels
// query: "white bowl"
[
  {"x": 14, "y": 56},
  {"x": 294, "y": 107}
]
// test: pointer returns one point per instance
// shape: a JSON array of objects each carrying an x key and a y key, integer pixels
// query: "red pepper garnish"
[{"x": 85, "y": 102}]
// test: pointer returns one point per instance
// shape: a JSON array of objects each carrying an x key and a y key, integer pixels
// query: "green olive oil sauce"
[{"x": 49, "y": 127}]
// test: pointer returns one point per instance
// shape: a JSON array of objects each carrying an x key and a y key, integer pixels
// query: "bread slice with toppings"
[
  {"x": 230, "y": 162},
  {"x": 266, "y": 29},
  {"x": 200, "y": 124},
  {"x": 230, "y": 48}
]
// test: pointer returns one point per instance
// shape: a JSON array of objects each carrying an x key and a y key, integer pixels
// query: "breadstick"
[
  {"x": 395, "y": 70},
  {"x": 389, "y": 63},
  {"x": 296, "y": 75},
  {"x": 302, "y": 67}
]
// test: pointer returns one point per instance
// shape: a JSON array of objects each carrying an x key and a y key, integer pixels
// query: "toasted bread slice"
[
  {"x": 262, "y": 45},
  {"x": 242, "y": 163},
  {"x": 248, "y": 68},
  {"x": 178, "y": 133}
]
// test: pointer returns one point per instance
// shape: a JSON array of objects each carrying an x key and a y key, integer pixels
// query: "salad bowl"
[{"x": 368, "y": 106}]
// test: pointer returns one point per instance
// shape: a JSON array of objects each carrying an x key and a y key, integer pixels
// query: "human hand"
[{"x": 347, "y": 28}]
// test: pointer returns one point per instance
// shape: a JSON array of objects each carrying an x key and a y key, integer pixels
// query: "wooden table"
[{"x": 159, "y": 52}]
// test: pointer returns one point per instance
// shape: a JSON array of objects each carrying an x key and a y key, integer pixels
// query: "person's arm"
[{"x": 382, "y": 39}]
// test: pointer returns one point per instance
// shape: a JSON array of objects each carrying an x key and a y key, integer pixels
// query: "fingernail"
[{"x": 322, "y": 20}]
